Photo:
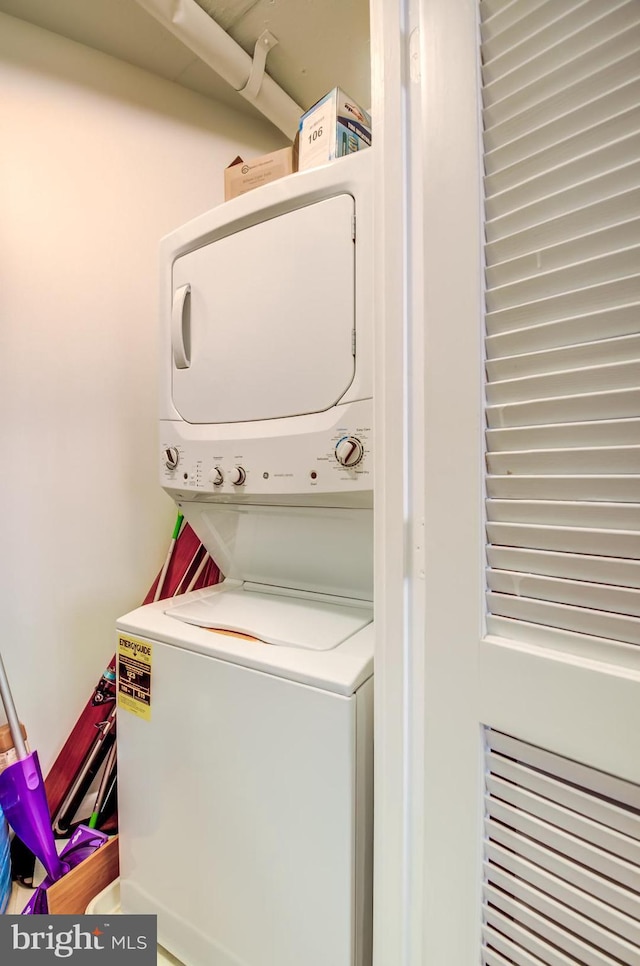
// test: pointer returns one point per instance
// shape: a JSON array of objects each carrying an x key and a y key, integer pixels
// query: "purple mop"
[
  {"x": 80, "y": 846},
  {"x": 24, "y": 802}
]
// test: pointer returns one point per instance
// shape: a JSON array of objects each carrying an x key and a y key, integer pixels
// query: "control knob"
[
  {"x": 171, "y": 457},
  {"x": 349, "y": 451},
  {"x": 216, "y": 477},
  {"x": 237, "y": 476}
]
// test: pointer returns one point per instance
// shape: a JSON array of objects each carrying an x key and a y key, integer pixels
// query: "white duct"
[{"x": 208, "y": 41}]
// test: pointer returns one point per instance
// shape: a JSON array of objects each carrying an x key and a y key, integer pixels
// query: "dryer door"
[{"x": 263, "y": 319}]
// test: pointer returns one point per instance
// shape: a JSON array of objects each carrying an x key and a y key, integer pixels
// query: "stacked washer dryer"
[{"x": 245, "y": 744}]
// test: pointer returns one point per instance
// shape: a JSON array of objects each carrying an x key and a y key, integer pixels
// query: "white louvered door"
[
  {"x": 531, "y": 668},
  {"x": 561, "y": 116},
  {"x": 561, "y": 89}
]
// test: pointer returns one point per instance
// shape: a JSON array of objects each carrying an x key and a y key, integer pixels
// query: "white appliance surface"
[
  {"x": 286, "y": 621},
  {"x": 265, "y": 301},
  {"x": 245, "y": 771},
  {"x": 270, "y": 317},
  {"x": 287, "y": 460},
  {"x": 246, "y": 800},
  {"x": 341, "y": 669},
  {"x": 315, "y": 549}
]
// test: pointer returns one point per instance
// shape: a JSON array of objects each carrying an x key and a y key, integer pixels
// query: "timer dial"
[
  {"x": 237, "y": 476},
  {"x": 171, "y": 457},
  {"x": 349, "y": 451},
  {"x": 216, "y": 477}
]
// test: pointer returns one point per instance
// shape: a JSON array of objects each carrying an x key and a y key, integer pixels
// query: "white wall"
[{"x": 99, "y": 160}]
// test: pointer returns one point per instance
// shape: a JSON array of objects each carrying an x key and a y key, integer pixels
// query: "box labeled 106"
[{"x": 333, "y": 127}]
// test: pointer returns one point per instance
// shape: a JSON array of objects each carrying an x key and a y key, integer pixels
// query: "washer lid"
[
  {"x": 263, "y": 319},
  {"x": 287, "y": 621}
]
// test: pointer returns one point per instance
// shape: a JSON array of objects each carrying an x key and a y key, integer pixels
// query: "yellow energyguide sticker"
[{"x": 134, "y": 676}]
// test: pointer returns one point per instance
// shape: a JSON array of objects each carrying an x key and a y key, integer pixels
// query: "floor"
[{"x": 18, "y": 900}]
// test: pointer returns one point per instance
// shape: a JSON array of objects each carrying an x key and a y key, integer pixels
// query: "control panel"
[{"x": 334, "y": 461}]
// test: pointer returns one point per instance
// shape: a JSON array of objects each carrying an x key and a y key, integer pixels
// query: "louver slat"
[
  {"x": 605, "y": 432},
  {"x": 618, "y": 600},
  {"x": 560, "y": 937},
  {"x": 615, "y": 128},
  {"x": 574, "y": 123},
  {"x": 515, "y": 954},
  {"x": 509, "y": 938},
  {"x": 568, "y": 99},
  {"x": 499, "y": 81},
  {"x": 506, "y": 915},
  {"x": 553, "y": 144},
  {"x": 582, "y": 567},
  {"x": 620, "y": 321},
  {"x": 562, "y": 180},
  {"x": 498, "y": 16},
  {"x": 620, "y": 237},
  {"x": 623, "y": 873},
  {"x": 538, "y": 862},
  {"x": 607, "y": 516},
  {"x": 562, "y": 891},
  {"x": 612, "y": 459},
  {"x": 562, "y": 854},
  {"x": 508, "y": 190},
  {"x": 563, "y": 28},
  {"x": 581, "y": 274},
  {"x": 602, "y": 543},
  {"x": 567, "y": 382},
  {"x": 597, "y": 58},
  {"x": 568, "y": 796},
  {"x": 578, "y": 183},
  {"x": 582, "y": 620},
  {"x": 616, "y": 789},
  {"x": 587, "y": 487},
  {"x": 618, "y": 403},
  {"x": 558, "y": 912},
  {"x": 554, "y": 308},
  {"x": 558, "y": 219},
  {"x": 565, "y": 642},
  {"x": 492, "y": 958},
  {"x": 532, "y": 21},
  {"x": 567, "y": 819}
]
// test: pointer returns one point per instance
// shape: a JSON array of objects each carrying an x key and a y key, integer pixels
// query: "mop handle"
[
  {"x": 12, "y": 715},
  {"x": 194, "y": 579},
  {"x": 165, "y": 566}
]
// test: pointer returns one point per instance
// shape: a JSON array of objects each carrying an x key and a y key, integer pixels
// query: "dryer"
[{"x": 245, "y": 756}]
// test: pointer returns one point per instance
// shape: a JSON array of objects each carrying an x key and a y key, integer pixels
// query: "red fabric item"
[{"x": 183, "y": 565}]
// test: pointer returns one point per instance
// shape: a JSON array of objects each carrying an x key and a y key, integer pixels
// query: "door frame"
[
  {"x": 427, "y": 275},
  {"x": 392, "y": 794}
]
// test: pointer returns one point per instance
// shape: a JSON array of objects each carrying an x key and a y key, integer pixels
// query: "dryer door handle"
[{"x": 181, "y": 327}]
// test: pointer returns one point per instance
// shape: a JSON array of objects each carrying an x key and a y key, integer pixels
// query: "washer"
[
  {"x": 245, "y": 746},
  {"x": 245, "y": 802}
]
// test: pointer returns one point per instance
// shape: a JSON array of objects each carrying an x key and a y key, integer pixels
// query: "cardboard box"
[
  {"x": 242, "y": 176},
  {"x": 333, "y": 127}
]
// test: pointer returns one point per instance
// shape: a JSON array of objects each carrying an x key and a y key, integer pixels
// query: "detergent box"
[
  {"x": 242, "y": 176},
  {"x": 333, "y": 127}
]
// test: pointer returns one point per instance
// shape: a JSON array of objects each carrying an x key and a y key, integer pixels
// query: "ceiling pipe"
[{"x": 213, "y": 45}]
